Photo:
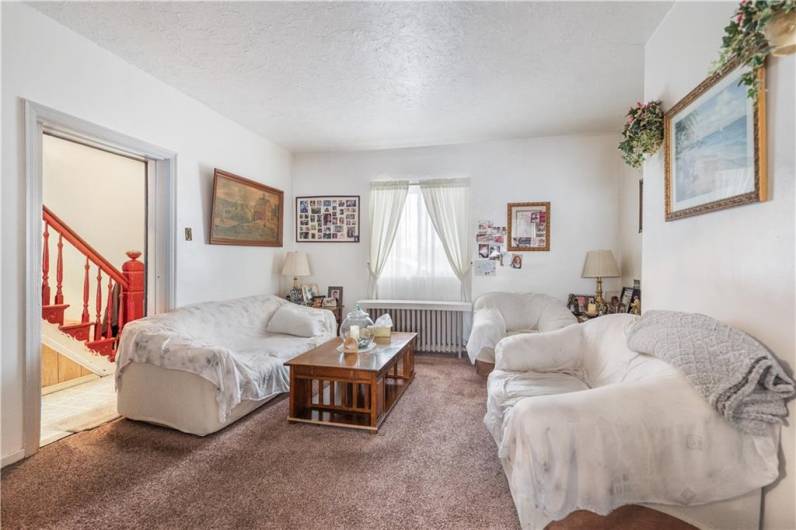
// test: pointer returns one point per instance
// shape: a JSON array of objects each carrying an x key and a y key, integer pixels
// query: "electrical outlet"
[{"x": 188, "y": 233}]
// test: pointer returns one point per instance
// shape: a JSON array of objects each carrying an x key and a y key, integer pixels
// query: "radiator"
[{"x": 439, "y": 325}]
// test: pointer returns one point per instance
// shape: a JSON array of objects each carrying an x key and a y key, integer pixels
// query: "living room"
[{"x": 511, "y": 182}]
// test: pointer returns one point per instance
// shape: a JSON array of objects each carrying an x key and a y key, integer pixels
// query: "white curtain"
[
  {"x": 448, "y": 205},
  {"x": 385, "y": 207},
  {"x": 418, "y": 268}
]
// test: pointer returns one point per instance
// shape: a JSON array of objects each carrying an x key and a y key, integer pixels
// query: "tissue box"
[{"x": 382, "y": 333}]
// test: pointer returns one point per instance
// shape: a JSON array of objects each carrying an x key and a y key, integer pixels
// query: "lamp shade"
[
  {"x": 600, "y": 264},
  {"x": 296, "y": 264}
]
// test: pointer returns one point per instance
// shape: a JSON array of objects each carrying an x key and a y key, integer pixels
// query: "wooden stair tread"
[
  {"x": 54, "y": 313},
  {"x": 99, "y": 342},
  {"x": 76, "y": 325},
  {"x": 78, "y": 330}
]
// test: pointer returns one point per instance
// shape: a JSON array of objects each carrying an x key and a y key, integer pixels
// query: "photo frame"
[
  {"x": 578, "y": 303},
  {"x": 528, "y": 226},
  {"x": 306, "y": 292},
  {"x": 336, "y": 292},
  {"x": 715, "y": 146},
  {"x": 627, "y": 296},
  {"x": 327, "y": 219},
  {"x": 245, "y": 212}
]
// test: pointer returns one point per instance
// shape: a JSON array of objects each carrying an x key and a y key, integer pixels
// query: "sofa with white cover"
[
  {"x": 583, "y": 422},
  {"x": 204, "y": 366},
  {"x": 498, "y": 314}
]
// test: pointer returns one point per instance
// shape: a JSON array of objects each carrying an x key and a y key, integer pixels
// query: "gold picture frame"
[
  {"x": 718, "y": 95},
  {"x": 528, "y": 226},
  {"x": 245, "y": 212}
]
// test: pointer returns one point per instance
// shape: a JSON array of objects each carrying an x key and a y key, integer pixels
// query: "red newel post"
[
  {"x": 59, "y": 271},
  {"x": 133, "y": 296},
  {"x": 45, "y": 266}
]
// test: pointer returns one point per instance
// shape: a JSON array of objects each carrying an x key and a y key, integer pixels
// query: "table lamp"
[
  {"x": 296, "y": 265},
  {"x": 600, "y": 264}
]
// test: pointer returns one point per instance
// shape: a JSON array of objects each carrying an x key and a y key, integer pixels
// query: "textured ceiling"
[{"x": 328, "y": 76}]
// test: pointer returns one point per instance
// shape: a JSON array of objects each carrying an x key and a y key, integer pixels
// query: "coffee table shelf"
[{"x": 355, "y": 391}]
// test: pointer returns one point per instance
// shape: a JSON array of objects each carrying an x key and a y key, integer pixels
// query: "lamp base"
[{"x": 599, "y": 301}]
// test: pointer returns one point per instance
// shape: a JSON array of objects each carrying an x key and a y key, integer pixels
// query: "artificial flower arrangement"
[
  {"x": 751, "y": 36},
  {"x": 643, "y": 133}
]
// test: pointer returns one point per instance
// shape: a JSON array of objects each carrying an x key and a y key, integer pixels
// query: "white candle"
[{"x": 353, "y": 332}]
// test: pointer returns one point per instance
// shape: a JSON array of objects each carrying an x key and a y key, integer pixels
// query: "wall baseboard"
[{"x": 12, "y": 458}]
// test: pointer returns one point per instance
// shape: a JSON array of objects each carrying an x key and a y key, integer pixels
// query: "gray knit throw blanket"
[{"x": 737, "y": 375}]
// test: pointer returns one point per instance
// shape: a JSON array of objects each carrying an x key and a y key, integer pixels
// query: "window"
[{"x": 417, "y": 267}]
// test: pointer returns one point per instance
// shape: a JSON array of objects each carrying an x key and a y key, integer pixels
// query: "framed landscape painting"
[
  {"x": 245, "y": 212},
  {"x": 715, "y": 147},
  {"x": 528, "y": 226},
  {"x": 327, "y": 219}
]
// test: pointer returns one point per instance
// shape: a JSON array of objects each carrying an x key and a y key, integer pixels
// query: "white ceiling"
[{"x": 329, "y": 76}]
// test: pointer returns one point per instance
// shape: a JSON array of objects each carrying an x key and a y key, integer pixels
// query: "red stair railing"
[{"x": 130, "y": 281}]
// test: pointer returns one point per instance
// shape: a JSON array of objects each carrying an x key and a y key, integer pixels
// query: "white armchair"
[
  {"x": 583, "y": 422},
  {"x": 497, "y": 315}
]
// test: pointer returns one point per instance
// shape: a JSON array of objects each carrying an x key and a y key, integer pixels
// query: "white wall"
[
  {"x": 736, "y": 265},
  {"x": 102, "y": 197},
  {"x": 577, "y": 174},
  {"x": 49, "y": 64}
]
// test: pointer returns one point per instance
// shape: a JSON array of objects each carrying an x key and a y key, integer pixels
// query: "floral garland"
[
  {"x": 643, "y": 133},
  {"x": 745, "y": 42}
]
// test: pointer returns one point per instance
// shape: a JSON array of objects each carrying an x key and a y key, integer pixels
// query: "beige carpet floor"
[{"x": 433, "y": 465}]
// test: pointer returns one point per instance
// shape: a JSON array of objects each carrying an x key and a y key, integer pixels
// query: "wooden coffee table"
[{"x": 350, "y": 390}]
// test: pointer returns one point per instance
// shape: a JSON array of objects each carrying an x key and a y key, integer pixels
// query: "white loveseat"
[
  {"x": 497, "y": 315},
  {"x": 582, "y": 422},
  {"x": 204, "y": 366}
]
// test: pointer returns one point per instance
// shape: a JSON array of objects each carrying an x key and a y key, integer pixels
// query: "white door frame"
[{"x": 161, "y": 243}]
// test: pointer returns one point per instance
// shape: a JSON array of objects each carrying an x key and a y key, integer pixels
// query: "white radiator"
[{"x": 439, "y": 325}]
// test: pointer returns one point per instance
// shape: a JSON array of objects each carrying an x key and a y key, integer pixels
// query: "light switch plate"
[{"x": 188, "y": 233}]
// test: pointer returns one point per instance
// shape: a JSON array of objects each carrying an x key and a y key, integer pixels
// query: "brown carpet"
[{"x": 431, "y": 465}]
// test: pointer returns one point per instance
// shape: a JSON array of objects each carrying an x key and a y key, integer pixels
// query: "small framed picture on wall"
[{"x": 528, "y": 226}]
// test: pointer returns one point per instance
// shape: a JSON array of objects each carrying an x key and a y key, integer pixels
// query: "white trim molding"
[{"x": 38, "y": 120}]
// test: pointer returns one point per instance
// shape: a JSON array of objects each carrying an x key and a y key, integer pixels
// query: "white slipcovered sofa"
[
  {"x": 582, "y": 422},
  {"x": 497, "y": 315},
  {"x": 204, "y": 366}
]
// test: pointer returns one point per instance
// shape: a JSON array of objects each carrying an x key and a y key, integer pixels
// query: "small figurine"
[{"x": 635, "y": 306}]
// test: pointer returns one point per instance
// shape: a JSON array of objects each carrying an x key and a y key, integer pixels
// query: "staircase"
[{"x": 124, "y": 291}]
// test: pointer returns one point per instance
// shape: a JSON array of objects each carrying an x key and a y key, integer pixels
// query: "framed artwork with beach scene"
[
  {"x": 715, "y": 146},
  {"x": 245, "y": 212}
]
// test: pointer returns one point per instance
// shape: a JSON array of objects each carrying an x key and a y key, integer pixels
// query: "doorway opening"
[
  {"x": 126, "y": 282},
  {"x": 93, "y": 268}
]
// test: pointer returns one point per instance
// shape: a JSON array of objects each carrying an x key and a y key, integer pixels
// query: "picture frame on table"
[
  {"x": 627, "y": 296},
  {"x": 715, "y": 146},
  {"x": 579, "y": 303},
  {"x": 306, "y": 292},
  {"x": 327, "y": 219},
  {"x": 528, "y": 226},
  {"x": 336, "y": 292}
]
